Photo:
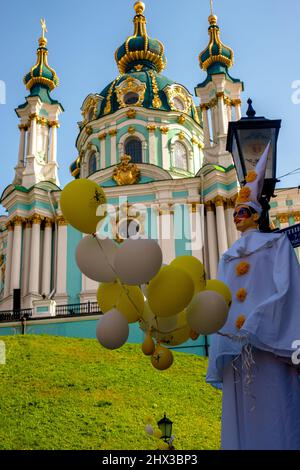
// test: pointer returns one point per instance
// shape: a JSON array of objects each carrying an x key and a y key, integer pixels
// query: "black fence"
[
  {"x": 62, "y": 311},
  {"x": 16, "y": 315}
]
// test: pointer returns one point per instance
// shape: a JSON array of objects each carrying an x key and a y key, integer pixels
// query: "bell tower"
[{"x": 39, "y": 120}]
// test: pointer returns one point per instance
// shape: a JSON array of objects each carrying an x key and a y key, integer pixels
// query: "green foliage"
[{"x": 62, "y": 393}]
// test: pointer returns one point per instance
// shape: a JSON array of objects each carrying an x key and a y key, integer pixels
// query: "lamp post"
[
  {"x": 165, "y": 426},
  {"x": 246, "y": 141}
]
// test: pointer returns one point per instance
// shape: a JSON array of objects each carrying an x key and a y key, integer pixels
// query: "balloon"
[
  {"x": 161, "y": 324},
  {"x": 148, "y": 315},
  {"x": 79, "y": 201},
  {"x": 138, "y": 261},
  {"x": 149, "y": 429},
  {"x": 177, "y": 337},
  {"x": 95, "y": 257},
  {"x": 221, "y": 288},
  {"x": 207, "y": 313},
  {"x": 170, "y": 291},
  {"x": 144, "y": 288},
  {"x": 148, "y": 346},
  {"x": 129, "y": 300},
  {"x": 157, "y": 433},
  {"x": 194, "y": 268},
  {"x": 112, "y": 330},
  {"x": 162, "y": 358}
]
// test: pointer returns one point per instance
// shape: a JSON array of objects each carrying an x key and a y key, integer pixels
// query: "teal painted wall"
[
  {"x": 74, "y": 276},
  {"x": 107, "y": 152}
]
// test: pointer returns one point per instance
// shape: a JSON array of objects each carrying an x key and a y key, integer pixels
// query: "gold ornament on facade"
[
  {"x": 151, "y": 127},
  {"x": 23, "y": 127},
  {"x": 60, "y": 220},
  {"x": 53, "y": 124},
  {"x": 88, "y": 130},
  {"x": 107, "y": 108},
  {"x": 156, "y": 102},
  {"x": 102, "y": 136},
  {"x": 131, "y": 130},
  {"x": 283, "y": 218},
  {"x": 219, "y": 201},
  {"x": 9, "y": 226},
  {"x": 28, "y": 223},
  {"x": 126, "y": 173},
  {"x": 48, "y": 222},
  {"x": 131, "y": 113},
  {"x": 18, "y": 220},
  {"x": 36, "y": 219},
  {"x": 130, "y": 85},
  {"x": 297, "y": 216},
  {"x": 113, "y": 132},
  {"x": 138, "y": 67},
  {"x": 209, "y": 207},
  {"x": 181, "y": 135},
  {"x": 89, "y": 111},
  {"x": 181, "y": 119},
  {"x": 194, "y": 141},
  {"x": 164, "y": 130},
  {"x": 176, "y": 91}
]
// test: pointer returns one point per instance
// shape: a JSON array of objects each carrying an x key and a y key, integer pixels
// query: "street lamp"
[
  {"x": 165, "y": 426},
  {"x": 246, "y": 141}
]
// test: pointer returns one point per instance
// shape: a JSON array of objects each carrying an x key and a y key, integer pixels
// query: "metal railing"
[
  {"x": 77, "y": 310},
  {"x": 16, "y": 315}
]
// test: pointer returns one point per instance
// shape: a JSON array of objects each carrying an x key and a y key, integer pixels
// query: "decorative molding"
[
  {"x": 209, "y": 206},
  {"x": 18, "y": 220},
  {"x": 102, "y": 136},
  {"x": 131, "y": 113},
  {"x": 181, "y": 119},
  {"x": 60, "y": 220},
  {"x": 36, "y": 219},
  {"x": 113, "y": 132},
  {"x": 48, "y": 222},
  {"x": 219, "y": 201},
  {"x": 151, "y": 127},
  {"x": 126, "y": 173},
  {"x": 283, "y": 218},
  {"x": 131, "y": 130},
  {"x": 164, "y": 130}
]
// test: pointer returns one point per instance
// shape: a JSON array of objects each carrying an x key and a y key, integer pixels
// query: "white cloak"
[{"x": 261, "y": 399}]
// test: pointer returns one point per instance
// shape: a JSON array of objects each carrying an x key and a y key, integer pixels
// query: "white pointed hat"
[{"x": 250, "y": 194}]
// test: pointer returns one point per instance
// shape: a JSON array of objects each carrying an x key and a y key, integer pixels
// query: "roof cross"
[{"x": 44, "y": 27}]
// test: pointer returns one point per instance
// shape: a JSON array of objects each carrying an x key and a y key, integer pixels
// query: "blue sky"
[{"x": 82, "y": 38}]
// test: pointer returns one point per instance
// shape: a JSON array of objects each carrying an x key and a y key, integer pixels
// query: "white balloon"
[
  {"x": 149, "y": 429},
  {"x": 207, "y": 313},
  {"x": 112, "y": 329},
  {"x": 138, "y": 261},
  {"x": 95, "y": 258}
]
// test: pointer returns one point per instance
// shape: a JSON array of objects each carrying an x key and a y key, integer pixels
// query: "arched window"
[
  {"x": 92, "y": 163},
  {"x": 133, "y": 147},
  {"x": 180, "y": 156}
]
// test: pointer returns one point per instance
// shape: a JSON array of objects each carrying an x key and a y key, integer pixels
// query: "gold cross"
[{"x": 44, "y": 27}]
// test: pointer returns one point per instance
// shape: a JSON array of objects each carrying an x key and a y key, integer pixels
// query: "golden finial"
[
  {"x": 212, "y": 18},
  {"x": 139, "y": 8},
  {"x": 44, "y": 27}
]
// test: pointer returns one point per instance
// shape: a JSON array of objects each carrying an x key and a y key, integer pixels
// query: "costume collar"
[{"x": 250, "y": 242}]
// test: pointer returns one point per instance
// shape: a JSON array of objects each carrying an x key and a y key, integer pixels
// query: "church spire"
[{"x": 41, "y": 78}]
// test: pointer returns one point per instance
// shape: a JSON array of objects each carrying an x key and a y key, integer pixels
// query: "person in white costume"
[{"x": 253, "y": 357}]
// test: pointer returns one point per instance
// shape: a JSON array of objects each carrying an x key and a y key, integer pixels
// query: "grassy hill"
[{"x": 62, "y": 393}]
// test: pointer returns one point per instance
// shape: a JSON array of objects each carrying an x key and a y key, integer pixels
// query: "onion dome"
[
  {"x": 216, "y": 57},
  {"x": 41, "y": 74},
  {"x": 140, "y": 52}
]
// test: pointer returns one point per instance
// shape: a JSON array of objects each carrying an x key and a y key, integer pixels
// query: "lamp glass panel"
[
  {"x": 237, "y": 161},
  {"x": 253, "y": 143}
]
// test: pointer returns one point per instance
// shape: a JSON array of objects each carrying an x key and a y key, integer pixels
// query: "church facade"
[{"x": 179, "y": 171}]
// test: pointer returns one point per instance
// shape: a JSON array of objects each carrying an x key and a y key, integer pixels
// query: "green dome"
[
  {"x": 217, "y": 57},
  {"x": 147, "y": 89},
  {"x": 139, "y": 51},
  {"x": 41, "y": 74}
]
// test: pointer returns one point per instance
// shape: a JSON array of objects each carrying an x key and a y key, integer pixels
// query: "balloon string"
[{"x": 125, "y": 290}]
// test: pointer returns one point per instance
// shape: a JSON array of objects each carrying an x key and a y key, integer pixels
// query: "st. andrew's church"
[{"x": 178, "y": 160}]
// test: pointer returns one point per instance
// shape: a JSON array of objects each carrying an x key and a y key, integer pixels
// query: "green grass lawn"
[{"x": 62, "y": 393}]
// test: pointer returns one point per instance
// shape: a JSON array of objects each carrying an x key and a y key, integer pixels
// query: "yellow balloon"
[
  {"x": 148, "y": 346},
  {"x": 79, "y": 202},
  {"x": 162, "y": 445},
  {"x": 129, "y": 300},
  {"x": 177, "y": 337},
  {"x": 170, "y": 291},
  {"x": 157, "y": 433},
  {"x": 221, "y": 288},
  {"x": 194, "y": 268},
  {"x": 162, "y": 358}
]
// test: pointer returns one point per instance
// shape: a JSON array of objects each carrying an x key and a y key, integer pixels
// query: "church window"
[
  {"x": 133, "y": 147},
  {"x": 131, "y": 98},
  {"x": 92, "y": 163},
  {"x": 180, "y": 156}
]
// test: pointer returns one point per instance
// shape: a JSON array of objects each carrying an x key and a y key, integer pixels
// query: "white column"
[
  {"x": 61, "y": 277},
  {"x": 102, "y": 150},
  {"x": 113, "y": 147},
  {"x": 196, "y": 231},
  {"x": 144, "y": 151},
  {"x": 238, "y": 112},
  {"x": 9, "y": 246},
  {"x": 16, "y": 255},
  {"x": 47, "y": 258},
  {"x": 32, "y": 143},
  {"x": 120, "y": 153},
  {"x": 152, "y": 150},
  {"x": 229, "y": 112},
  {"x": 212, "y": 240},
  {"x": 166, "y": 235},
  {"x": 221, "y": 226},
  {"x": 221, "y": 114},
  {"x": 206, "y": 130},
  {"x": 21, "y": 145},
  {"x": 53, "y": 145},
  {"x": 164, "y": 147},
  {"x": 214, "y": 121},
  {"x": 34, "y": 273},
  {"x": 26, "y": 258}
]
